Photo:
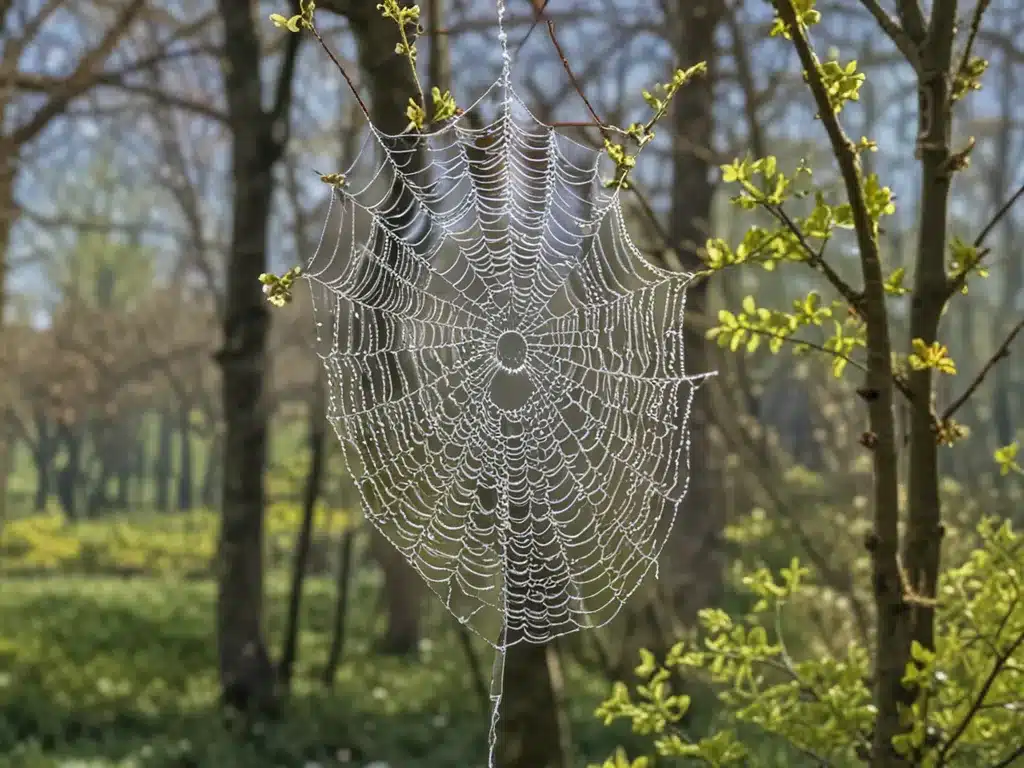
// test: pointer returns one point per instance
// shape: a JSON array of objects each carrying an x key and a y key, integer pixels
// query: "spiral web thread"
[{"x": 505, "y": 372}]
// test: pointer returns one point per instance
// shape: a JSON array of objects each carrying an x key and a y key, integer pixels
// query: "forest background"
[{"x": 156, "y": 158}]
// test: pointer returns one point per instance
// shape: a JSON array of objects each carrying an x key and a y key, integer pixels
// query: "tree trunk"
[
  {"x": 211, "y": 471},
  {"x": 536, "y": 728},
  {"x": 44, "y": 454},
  {"x": 185, "y": 481},
  {"x": 311, "y": 494},
  {"x": 8, "y": 212},
  {"x": 923, "y": 539},
  {"x": 341, "y": 585},
  {"x": 403, "y": 595},
  {"x": 248, "y": 678},
  {"x": 162, "y": 463},
  {"x": 693, "y": 555},
  {"x": 390, "y": 84},
  {"x": 70, "y": 474}
]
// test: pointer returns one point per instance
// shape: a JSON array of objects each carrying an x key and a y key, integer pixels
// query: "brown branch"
[
  {"x": 997, "y": 668},
  {"x": 1001, "y": 352},
  {"x": 895, "y": 32},
  {"x": 1011, "y": 759},
  {"x": 344, "y": 74},
  {"x": 1003, "y": 210},
  {"x": 568, "y": 69},
  {"x": 957, "y": 283},
  {"x": 816, "y": 259},
  {"x": 972, "y": 36},
  {"x": 81, "y": 79},
  {"x": 912, "y": 18},
  {"x": 539, "y": 6}
]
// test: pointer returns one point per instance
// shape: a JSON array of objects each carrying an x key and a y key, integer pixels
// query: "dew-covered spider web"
[{"x": 505, "y": 370}]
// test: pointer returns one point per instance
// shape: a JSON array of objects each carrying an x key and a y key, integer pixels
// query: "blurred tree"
[
  {"x": 693, "y": 563},
  {"x": 21, "y": 28},
  {"x": 259, "y": 136},
  {"x": 390, "y": 83}
]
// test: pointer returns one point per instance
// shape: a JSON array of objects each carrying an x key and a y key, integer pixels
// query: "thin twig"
[
  {"x": 1003, "y": 350},
  {"x": 956, "y": 283},
  {"x": 801, "y": 342},
  {"x": 895, "y": 32},
  {"x": 816, "y": 258},
  {"x": 972, "y": 35},
  {"x": 539, "y": 7},
  {"x": 568, "y": 69},
  {"x": 1003, "y": 210},
  {"x": 1011, "y": 758},
  {"x": 337, "y": 63},
  {"x": 997, "y": 668}
]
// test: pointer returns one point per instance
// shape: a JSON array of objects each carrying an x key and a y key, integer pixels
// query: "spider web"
[{"x": 506, "y": 371}]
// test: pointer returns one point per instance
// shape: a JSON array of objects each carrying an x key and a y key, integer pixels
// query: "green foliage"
[
  {"x": 641, "y": 134},
  {"x": 278, "y": 289},
  {"x": 122, "y": 672},
  {"x": 302, "y": 20},
  {"x": 969, "y": 710},
  {"x": 754, "y": 324},
  {"x": 934, "y": 355},
  {"x": 965, "y": 260},
  {"x": 1006, "y": 458},
  {"x": 115, "y": 672},
  {"x": 179, "y": 545},
  {"x": 806, "y": 15}
]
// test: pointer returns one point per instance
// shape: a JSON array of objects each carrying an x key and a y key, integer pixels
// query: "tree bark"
[
  {"x": 535, "y": 732},
  {"x": 311, "y": 494},
  {"x": 391, "y": 85},
  {"x": 341, "y": 585},
  {"x": 162, "y": 462},
  {"x": 693, "y": 555},
  {"x": 44, "y": 453},
  {"x": 248, "y": 678},
  {"x": 185, "y": 480}
]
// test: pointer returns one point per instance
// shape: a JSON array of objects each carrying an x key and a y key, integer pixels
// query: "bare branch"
[
  {"x": 956, "y": 283},
  {"x": 895, "y": 32},
  {"x": 83, "y": 78},
  {"x": 1002, "y": 351}
]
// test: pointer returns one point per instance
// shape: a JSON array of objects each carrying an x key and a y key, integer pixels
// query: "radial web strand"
[{"x": 506, "y": 372}]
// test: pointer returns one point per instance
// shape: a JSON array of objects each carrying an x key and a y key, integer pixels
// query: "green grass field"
[{"x": 99, "y": 669}]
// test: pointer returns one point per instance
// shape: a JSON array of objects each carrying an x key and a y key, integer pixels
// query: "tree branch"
[
  {"x": 912, "y": 18},
  {"x": 1001, "y": 352},
  {"x": 957, "y": 283},
  {"x": 997, "y": 668},
  {"x": 1011, "y": 759},
  {"x": 83, "y": 78},
  {"x": 895, "y": 32}
]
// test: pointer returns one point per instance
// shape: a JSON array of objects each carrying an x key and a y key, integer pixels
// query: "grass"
[
  {"x": 102, "y": 670},
  {"x": 107, "y": 659},
  {"x": 123, "y": 673}
]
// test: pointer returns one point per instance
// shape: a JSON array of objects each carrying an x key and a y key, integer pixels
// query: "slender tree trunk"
[
  {"x": 248, "y": 677},
  {"x": 8, "y": 213},
  {"x": 185, "y": 480},
  {"x": 924, "y": 530},
  {"x": 390, "y": 85},
  {"x": 535, "y": 732},
  {"x": 211, "y": 471},
  {"x": 44, "y": 454},
  {"x": 311, "y": 494},
  {"x": 342, "y": 585},
  {"x": 1004, "y": 393},
  {"x": 163, "y": 461},
  {"x": 69, "y": 475},
  {"x": 693, "y": 554}
]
